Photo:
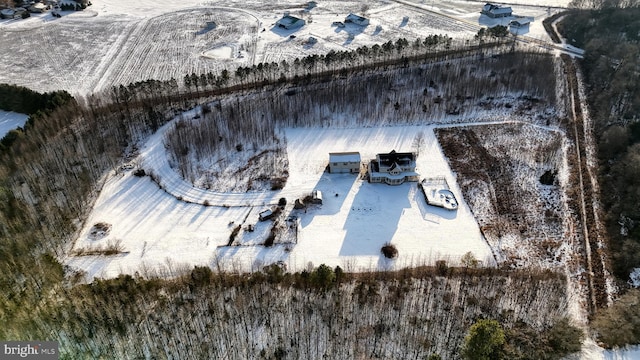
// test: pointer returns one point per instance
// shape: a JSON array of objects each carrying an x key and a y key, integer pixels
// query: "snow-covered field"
[
  {"x": 117, "y": 42},
  {"x": 356, "y": 219},
  {"x": 10, "y": 120}
]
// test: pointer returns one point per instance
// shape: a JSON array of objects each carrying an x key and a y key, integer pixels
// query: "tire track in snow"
[
  {"x": 155, "y": 162},
  {"x": 103, "y": 77}
]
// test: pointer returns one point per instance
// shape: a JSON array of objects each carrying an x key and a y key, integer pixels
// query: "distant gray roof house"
[
  {"x": 496, "y": 11},
  {"x": 356, "y": 19},
  {"x": 520, "y": 22},
  {"x": 7, "y": 13},
  {"x": 290, "y": 22}
]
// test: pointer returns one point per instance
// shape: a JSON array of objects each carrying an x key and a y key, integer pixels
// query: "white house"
[
  {"x": 344, "y": 162},
  {"x": 356, "y": 19},
  {"x": 290, "y": 22},
  {"x": 393, "y": 168},
  {"x": 496, "y": 11},
  {"x": 38, "y": 8},
  {"x": 520, "y": 22}
]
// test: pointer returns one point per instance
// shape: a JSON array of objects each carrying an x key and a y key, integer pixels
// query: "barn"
[
  {"x": 344, "y": 162},
  {"x": 290, "y": 22}
]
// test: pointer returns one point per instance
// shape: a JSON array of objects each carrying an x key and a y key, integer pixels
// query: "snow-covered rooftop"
[{"x": 348, "y": 156}]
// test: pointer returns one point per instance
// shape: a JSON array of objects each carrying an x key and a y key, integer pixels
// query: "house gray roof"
[
  {"x": 521, "y": 22},
  {"x": 496, "y": 9},
  {"x": 397, "y": 158},
  {"x": 357, "y": 19},
  {"x": 290, "y": 21}
]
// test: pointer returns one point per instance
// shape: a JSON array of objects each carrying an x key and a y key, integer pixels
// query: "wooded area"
[
  {"x": 50, "y": 176},
  {"x": 610, "y": 38}
]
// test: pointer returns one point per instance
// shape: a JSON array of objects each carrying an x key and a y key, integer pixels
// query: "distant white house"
[
  {"x": 290, "y": 22},
  {"x": 496, "y": 11},
  {"x": 356, "y": 19},
  {"x": 393, "y": 168},
  {"x": 344, "y": 162},
  {"x": 38, "y": 8},
  {"x": 520, "y": 22}
]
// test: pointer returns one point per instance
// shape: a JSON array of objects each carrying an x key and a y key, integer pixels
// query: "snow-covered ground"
[
  {"x": 348, "y": 230},
  {"x": 118, "y": 42},
  {"x": 10, "y": 120}
]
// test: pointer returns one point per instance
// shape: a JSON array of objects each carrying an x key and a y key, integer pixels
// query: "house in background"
[
  {"x": 520, "y": 22},
  {"x": 7, "y": 13},
  {"x": 496, "y": 11},
  {"x": 289, "y": 22},
  {"x": 356, "y": 19},
  {"x": 393, "y": 168},
  {"x": 344, "y": 162},
  {"x": 38, "y": 8}
]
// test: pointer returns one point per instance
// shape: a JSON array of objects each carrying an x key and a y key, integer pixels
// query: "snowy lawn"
[
  {"x": 158, "y": 232},
  {"x": 118, "y": 42},
  {"x": 10, "y": 120}
]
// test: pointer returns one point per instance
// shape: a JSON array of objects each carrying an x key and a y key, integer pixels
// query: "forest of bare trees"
[
  {"x": 609, "y": 34},
  {"x": 51, "y": 175},
  {"x": 324, "y": 313},
  {"x": 408, "y": 95}
]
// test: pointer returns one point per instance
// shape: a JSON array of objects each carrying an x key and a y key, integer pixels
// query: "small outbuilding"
[
  {"x": 316, "y": 197},
  {"x": 356, "y": 19},
  {"x": 496, "y": 11},
  {"x": 520, "y": 22},
  {"x": 289, "y": 22},
  {"x": 7, "y": 13},
  {"x": 266, "y": 214},
  {"x": 344, "y": 162}
]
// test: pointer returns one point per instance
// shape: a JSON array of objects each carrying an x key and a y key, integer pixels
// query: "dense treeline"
[
  {"x": 611, "y": 39},
  {"x": 26, "y": 101},
  {"x": 50, "y": 176},
  {"x": 603, "y": 4},
  {"x": 323, "y": 313},
  {"x": 399, "y": 96}
]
